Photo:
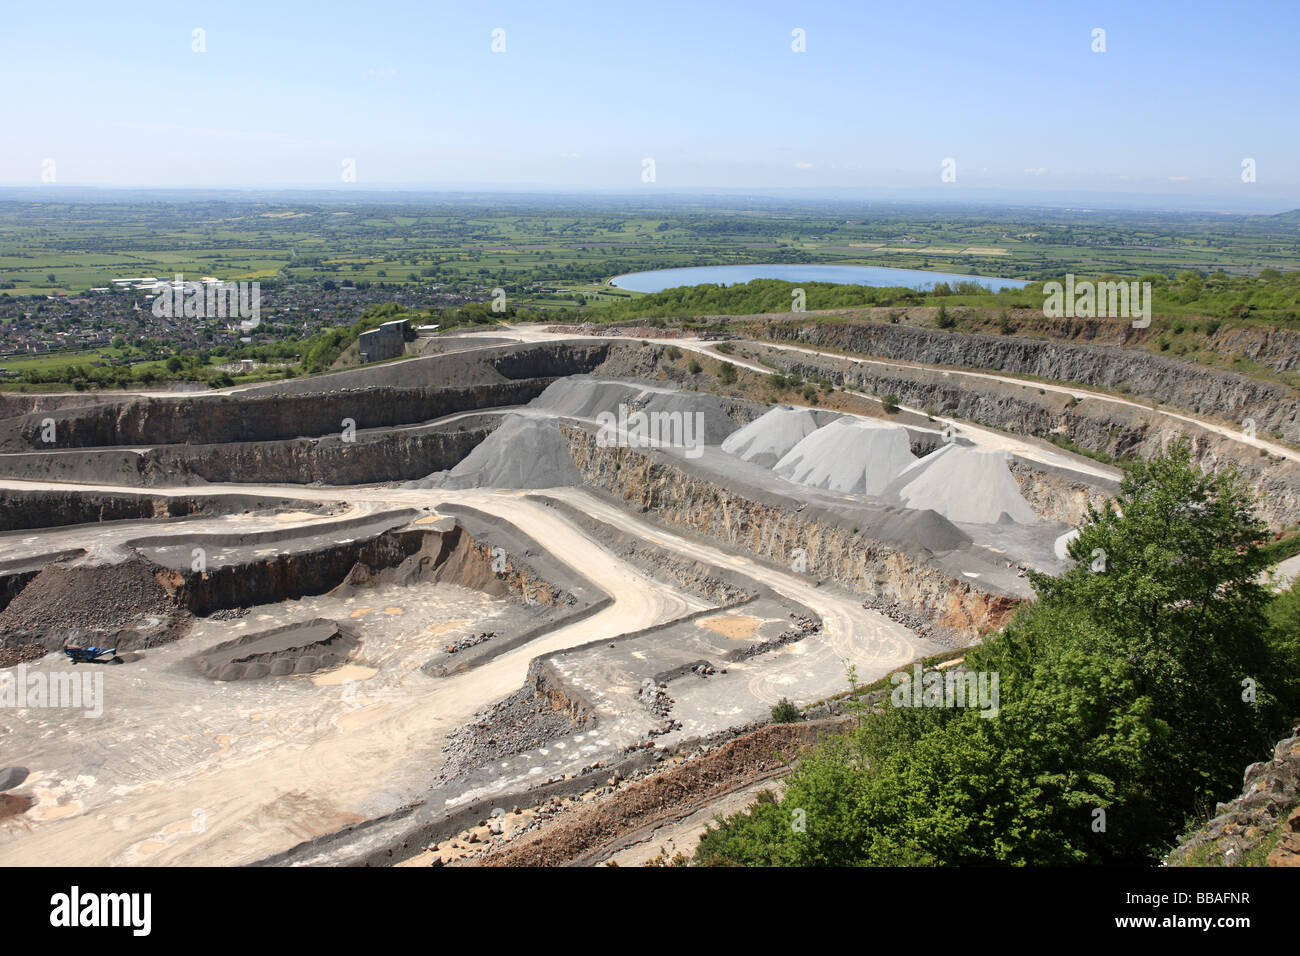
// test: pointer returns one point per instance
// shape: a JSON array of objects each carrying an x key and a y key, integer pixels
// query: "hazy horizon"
[{"x": 848, "y": 197}]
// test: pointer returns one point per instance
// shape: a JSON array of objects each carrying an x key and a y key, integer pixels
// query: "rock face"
[
  {"x": 1057, "y": 497},
  {"x": 1270, "y": 800},
  {"x": 23, "y": 509},
  {"x": 356, "y": 427},
  {"x": 1279, "y": 349},
  {"x": 1216, "y": 393},
  {"x": 371, "y": 457},
  {"x": 1100, "y": 426},
  {"x": 876, "y": 570},
  {"x": 168, "y": 420}
]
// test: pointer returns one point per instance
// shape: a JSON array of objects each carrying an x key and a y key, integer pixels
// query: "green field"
[
  {"x": 528, "y": 246},
  {"x": 558, "y": 253}
]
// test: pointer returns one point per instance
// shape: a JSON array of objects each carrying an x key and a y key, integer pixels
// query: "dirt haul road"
[
  {"x": 529, "y": 334},
  {"x": 867, "y": 639},
  {"x": 320, "y": 774}
]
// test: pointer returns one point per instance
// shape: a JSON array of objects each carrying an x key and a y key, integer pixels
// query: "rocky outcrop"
[
  {"x": 880, "y": 571},
  {"x": 1278, "y": 349},
  {"x": 167, "y": 420},
  {"x": 715, "y": 584},
  {"x": 366, "y": 459},
  {"x": 470, "y": 366},
  {"x": 1055, "y": 496},
  {"x": 1216, "y": 393},
  {"x": 1262, "y": 826}
]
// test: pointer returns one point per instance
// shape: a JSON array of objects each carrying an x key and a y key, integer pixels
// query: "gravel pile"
[
  {"x": 580, "y": 396},
  {"x": 965, "y": 484},
  {"x": 90, "y": 598},
  {"x": 654, "y": 698},
  {"x": 21, "y": 654},
  {"x": 767, "y": 439},
  {"x": 522, "y": 721},
  {"x": 927, "y": 528},
  {"x": 524, "y": 452},
  {"x": 849, "y": 455}
]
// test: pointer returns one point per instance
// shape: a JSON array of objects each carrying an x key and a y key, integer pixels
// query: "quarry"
[{"x": 431, "y": 611}]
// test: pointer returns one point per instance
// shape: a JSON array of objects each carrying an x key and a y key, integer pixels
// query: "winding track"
[{"x": 255, "y": 805}]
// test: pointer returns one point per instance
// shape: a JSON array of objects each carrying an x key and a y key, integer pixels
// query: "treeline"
[
  {"x": 1133, "y": 692},
  {"x": 1272, "y": 296},
  {"x": 766, "y": 295}
]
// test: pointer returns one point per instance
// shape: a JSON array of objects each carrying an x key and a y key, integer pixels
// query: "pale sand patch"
[
  {"x": 444, "y": 522},
  {"x": 736, "y": 627},
  {"x": 361, "y": 612},
  {"x": 287, "y": 516},
  {"x": 393, "y": 610},
  {"x": 448, "y": 626},
  {"x": 342, "y": 675},
  {"x": 48, "y": 807},
  {"x": 364, "y": 717}
]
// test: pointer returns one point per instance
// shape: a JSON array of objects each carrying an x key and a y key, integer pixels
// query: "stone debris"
[
  {"x": 465, "y": 643},
  {"x": 900, "y": 614},
  {"x": 654, "y": 697},
  {"x": 1270, "y": 800},
  {"x": 228, "y": 614},
  {"x": 518, "y": 723},
  {"x": 803, "y": 627}
]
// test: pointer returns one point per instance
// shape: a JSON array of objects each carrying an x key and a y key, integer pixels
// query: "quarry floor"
[{"x": 181, "y": 769}]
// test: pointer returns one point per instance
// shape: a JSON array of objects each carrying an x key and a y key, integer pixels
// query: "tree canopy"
[{"x": 1134, "y": 690}]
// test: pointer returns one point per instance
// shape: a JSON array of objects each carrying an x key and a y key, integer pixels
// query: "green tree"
[
  {"x": 1133, "y": 690},
  {"x": 785, "y": 712}
]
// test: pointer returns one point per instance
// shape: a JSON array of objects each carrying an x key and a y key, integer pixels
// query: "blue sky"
[{"x": 584, "y": 92}]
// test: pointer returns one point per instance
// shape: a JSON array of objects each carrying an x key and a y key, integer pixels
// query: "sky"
[{"x": 394, "y": 94}]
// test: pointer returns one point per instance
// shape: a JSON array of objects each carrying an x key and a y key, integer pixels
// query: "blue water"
[{"x": 661, "y": 279}]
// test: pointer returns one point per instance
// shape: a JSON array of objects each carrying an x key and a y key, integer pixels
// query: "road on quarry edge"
[{"x": 529, "y": 334}]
